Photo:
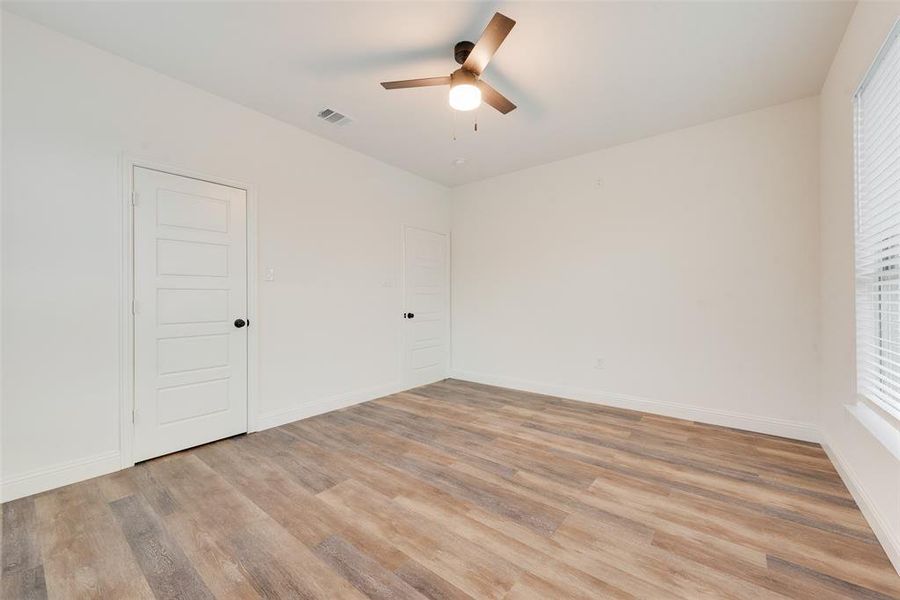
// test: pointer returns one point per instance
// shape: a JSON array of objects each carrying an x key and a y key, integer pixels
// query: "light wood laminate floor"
[{"x": 457, "y": 490}]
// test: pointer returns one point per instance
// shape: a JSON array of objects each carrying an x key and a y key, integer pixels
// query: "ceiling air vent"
[{"x": 334, "y": 117}]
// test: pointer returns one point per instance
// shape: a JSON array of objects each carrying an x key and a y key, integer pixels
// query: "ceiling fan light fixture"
[
  {"x": 465, "y": 97},
  {"x": 467, "y": 90},
  {"x": 464, "y": 93}
]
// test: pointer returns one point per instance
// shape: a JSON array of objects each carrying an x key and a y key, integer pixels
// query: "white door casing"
[
  {"x": 190, "y": 286},
  {"x": 426, "y": 335}
]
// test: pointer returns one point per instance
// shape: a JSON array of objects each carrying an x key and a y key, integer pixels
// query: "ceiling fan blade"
[
  {"x": 494, "y": 98},
  {"x": 414, "y": 83},
  {"x": 493, "y": 35}
]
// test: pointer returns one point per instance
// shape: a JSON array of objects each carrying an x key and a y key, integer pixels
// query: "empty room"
[{"x": 450, "y": 300}]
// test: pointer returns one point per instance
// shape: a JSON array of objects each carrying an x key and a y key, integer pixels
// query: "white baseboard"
[
  {"x": 769, "y": 425},
  {"x": 324, "y": 405},
  {"x": 59, "y": 475},
  {"x": 890, "y": 540}
]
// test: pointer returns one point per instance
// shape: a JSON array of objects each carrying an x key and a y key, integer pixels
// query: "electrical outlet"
[{"x": 599, "y": 364}]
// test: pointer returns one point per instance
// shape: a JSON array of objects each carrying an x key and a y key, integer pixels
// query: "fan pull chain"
[{"x": 453, "y": 132}]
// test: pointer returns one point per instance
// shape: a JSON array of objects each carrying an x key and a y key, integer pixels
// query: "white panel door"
[
  {"x": 190, "y": 292},
  {"x": 426, "y": 308}
]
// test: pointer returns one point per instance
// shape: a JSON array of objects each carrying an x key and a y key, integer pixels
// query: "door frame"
[
  {"x": 126, "y": 317},
  {"x": 448, "y": 281}
]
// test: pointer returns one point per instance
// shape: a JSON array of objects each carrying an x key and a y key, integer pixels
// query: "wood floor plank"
[
  {"x": 219, "y": 569},
  {"x": 534, "y": 554},
  {"x": 24, "y": 584},
  {"x": 278, "y": 494},
  {"x": 20, "y": 549},
  {"x": 496, "y": 498},
  {"x": 681, "y": 577},
  {"x": 534, "y": 587},
  {"x": 779, "y": 581},
  {"x": 278, "y": 565},
  {"x": 562, "y": 499},
  {"x": 301, "y": 467},
  {"x": 187, "y": 479},
  {"x": 138, "y": 481},
  {"x": 457, "y": 490},
  {"x": 271, "y": 489},
  {"x": 364, "y": 572},
  {"x": 428, "y": 583},
  {"x": 84, "y": 549},
  {"x": 822, "y": 583},
  {"x": 166, "y": 568},
  {"x": 65, "y": 513},
  {"x": 475, "y": 570}
]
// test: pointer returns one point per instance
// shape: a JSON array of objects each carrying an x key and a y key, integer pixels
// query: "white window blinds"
[{"x": 878, "y": 229}]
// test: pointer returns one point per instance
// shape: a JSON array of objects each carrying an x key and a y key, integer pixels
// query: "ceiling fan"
[{"x": 467, "y": 90}]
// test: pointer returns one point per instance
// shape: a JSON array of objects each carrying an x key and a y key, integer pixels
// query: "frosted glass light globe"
[{"x": 465, "y": 97}]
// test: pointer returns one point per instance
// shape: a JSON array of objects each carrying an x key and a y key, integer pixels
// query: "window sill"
[{"x": 880, "y": 421}]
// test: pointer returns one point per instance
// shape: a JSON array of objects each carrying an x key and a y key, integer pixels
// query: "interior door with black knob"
[
  {"x": 426, "y": 348},
  {"x": 190, "y": 292}
]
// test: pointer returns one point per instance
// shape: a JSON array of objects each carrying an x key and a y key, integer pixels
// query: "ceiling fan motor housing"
[
  {"x": 461, "y": 51},
  {"x": 462, "y": 77}
]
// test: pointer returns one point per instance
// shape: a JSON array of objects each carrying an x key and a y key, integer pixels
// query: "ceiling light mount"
[{"x": 461, "y": 51}]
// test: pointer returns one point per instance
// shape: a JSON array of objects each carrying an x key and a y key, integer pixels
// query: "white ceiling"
[{"x": 584, "y": 75}]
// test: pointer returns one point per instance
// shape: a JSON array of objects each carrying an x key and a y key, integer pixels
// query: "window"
[{"x": 877, "y": 106}]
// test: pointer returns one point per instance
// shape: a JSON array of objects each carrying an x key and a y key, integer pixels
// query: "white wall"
[
  {"x": 688, "y": 262},
  {"x": 329, "y": 222},
  {"x": 869, "y": 469}
]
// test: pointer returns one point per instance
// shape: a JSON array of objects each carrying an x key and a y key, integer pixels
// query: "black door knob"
[
  {"x": 239, "y": 323},
  {"x": 410, "y": 316}
]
